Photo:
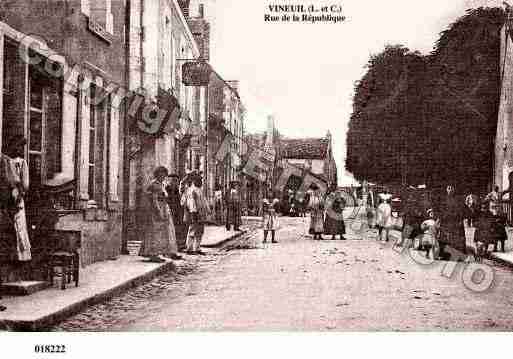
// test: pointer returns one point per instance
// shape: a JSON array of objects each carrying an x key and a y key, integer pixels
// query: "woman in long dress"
[
  {"x": 14, "y": 176},
  {"x": 316, "y": 213},
  {"x": 452, "y": 229},
  {"x": 160, "y": 239},
  {"x": 470, "y": 216},
  {"x": 334, "y": 223}
]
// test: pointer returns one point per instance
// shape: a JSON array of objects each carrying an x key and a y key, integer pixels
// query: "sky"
[{"x": 303, "y": 74}]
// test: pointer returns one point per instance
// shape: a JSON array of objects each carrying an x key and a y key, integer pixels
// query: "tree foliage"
[{"x": 430, "y": 119}]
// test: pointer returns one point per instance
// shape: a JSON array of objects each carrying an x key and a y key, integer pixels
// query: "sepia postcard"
[{"x": 254, "y": 167}]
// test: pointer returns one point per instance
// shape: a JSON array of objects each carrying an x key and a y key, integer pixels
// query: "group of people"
[
  {"x": 228, "y": 206},
  {"x": 432, "y": 228},
  {"x": 326, "y": 213},
  {"x": 176, "y": 211}
]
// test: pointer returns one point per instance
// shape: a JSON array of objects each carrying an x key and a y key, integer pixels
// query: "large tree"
[
  {"x": 430, "y": 119},
  {"x": 379, "y": 138}
]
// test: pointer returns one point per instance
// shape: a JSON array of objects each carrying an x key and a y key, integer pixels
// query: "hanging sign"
[{"x": 196, "y": 73}]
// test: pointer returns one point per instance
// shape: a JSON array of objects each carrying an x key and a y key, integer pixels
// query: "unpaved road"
[{"x": 301, "y": 284}]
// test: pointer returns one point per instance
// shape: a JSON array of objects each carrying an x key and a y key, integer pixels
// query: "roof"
[{"x": 304, "y": 148}]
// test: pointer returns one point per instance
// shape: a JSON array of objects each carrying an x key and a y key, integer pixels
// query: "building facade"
[
  {"x": 160, "y": 43},
  {"x": 255, "y": 189},
  {"x": 314, "y": 155},
  {"x": 226, "y": 133},
  {"x": 59, "y": 62}
]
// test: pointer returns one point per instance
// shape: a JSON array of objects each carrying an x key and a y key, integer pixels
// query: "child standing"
[{"x": 269, "y": 217}]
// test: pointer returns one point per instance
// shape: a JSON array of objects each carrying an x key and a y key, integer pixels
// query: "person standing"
[
  {"x": 15, "y": 180},
  {"x": 470, "y": 216},
  {"x": 384, "y": 211},
  {"x": 413, "y": 217},
  {"x": 316, "y": 212},
  {"x": 452, "y": 231},
  {"x": 160, "y": 239},
  {"x": 14, "y": 184},
  {"x": 491, "y": 230},
  {"x": 334, "y": 223},
  {"x": 428, "y": 239},
  {"x": 177, "y": 213},
  {"x": 395, "y": 224},
  {"x": 197, "y": 213},
  {"x": 233, "y": 210},
  {"x": 470, "y": 211},
  {"x": 270, "y": 217},
  {"x": 493, "y": 198},
  {"x": 218, "y": 204},
  {"x": 300, "y": 202}
]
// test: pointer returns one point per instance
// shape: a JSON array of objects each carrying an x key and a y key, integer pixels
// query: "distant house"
[{"x": 312, "y": 154}]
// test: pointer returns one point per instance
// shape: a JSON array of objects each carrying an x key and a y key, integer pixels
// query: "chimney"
[
  {"x": 184, "y": 5},
  {"x": 201, "y": 11}
]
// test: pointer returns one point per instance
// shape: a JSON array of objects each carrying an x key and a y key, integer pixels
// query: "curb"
[
  {"x": 47, "y": 321},
  {"x": 501, "y": 261},
  {"x": 223, "y": 241}
]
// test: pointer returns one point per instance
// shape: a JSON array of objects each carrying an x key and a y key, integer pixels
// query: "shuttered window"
[{"x": 99, "y": 134}]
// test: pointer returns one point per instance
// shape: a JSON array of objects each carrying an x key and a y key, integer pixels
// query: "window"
[
  {"x": 100, "y": 11},
  {"x": 93, "y": 113},
  {"x": 99, "y": 124},
  {"x": 36, "y": 130},
  {"x": 197, "y": 163},
  {"x": 44, "y": 126}
]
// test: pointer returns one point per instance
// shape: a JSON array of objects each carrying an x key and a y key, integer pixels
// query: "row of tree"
[{"x": 430, "y": 119}]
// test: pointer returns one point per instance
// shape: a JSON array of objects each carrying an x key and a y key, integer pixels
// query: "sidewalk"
[
  {"x": 98, "y": 282},
  {"x": 504, "y": 258},
  {"x": 217, "y": 235}
]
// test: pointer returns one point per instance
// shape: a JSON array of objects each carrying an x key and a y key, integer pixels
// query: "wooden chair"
[{"x": 65, "y": 257}]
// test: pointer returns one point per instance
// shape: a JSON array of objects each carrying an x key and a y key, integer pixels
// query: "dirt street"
[{"x": 301, "y": 284}]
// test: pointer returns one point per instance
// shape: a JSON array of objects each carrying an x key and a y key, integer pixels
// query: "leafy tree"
[{"x": 430, "y": 119}]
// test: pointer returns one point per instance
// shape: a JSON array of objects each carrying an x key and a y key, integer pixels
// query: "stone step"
[{"x": 23, "y": 287}]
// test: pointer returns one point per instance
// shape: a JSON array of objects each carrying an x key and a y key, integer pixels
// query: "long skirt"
[
  {"x": 453, "y": 235},
  {"x": 334, "y": 226},
  {"x": 159, "y": 239},
  {"x": 23, "y": 249},
  {"x": 233, "y": 215},
  {"x": 15, "y": 244},
  {"x": 194, "y": 236},
  {"x": 317, "y": 221}
]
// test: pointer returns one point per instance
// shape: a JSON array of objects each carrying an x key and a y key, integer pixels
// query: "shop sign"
[{"x": 196, "y": 73}]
